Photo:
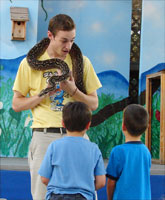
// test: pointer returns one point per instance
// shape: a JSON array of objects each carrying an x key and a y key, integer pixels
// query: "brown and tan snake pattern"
[{"x": 77, "y": 65}]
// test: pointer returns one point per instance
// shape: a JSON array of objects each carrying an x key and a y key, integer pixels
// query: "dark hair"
[
  {"x": 61, "y": 22},
  {"x": 135, "y": 119},
  {"x": 76, "y": 116}
]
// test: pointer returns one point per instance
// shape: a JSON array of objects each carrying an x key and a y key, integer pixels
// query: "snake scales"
[{"x": 77, "y": 65}]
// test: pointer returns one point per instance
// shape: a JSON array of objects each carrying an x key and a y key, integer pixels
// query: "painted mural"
[
  {"x": 103, "y": 34},
  {"x": 96, "y": 21}
]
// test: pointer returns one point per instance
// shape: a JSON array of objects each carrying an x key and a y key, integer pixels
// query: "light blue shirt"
[{"x": 71, "y": 163}]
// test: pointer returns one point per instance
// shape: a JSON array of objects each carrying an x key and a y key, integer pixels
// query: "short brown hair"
[
  {"x": 135, "y": 118},
  {"x": 61, "y": 22},
  {"x": 76, "y": 116}
]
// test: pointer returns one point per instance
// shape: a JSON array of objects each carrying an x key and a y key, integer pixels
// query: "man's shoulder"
[
  {"x": 86, "y": 59},
  {"x": 24, "y": 61}
]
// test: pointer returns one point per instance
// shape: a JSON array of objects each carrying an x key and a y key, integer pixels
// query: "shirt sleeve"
[
  {"x": 114, "y": 167},
  {"x": 46, "y": 167},
  {"x": 92, "y": 82},
  {"x": 21, "y": 83},
  {"x": 99, "y": 169}
]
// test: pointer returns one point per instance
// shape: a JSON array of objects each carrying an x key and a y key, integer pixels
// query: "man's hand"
[
  {"x": 58, "y": 72},
  {"x": 69, "y": 85}
]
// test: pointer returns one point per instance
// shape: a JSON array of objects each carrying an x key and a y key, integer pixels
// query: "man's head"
[
  {"x": 61, "y": 32},
  {"x": 61, "y": 22},
  {"x": 76, "y": 116},
  {"x": 135, "y": 119}
]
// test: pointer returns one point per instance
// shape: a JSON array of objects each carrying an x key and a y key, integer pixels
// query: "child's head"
[
  {"x": 135, "y": 119},
  {"x": 76, "y": 116}
]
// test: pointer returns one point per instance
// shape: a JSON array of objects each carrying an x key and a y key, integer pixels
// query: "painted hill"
[
  {"x": 157, "y": 68},
  {"x": 9, "y": 67},
  {"x": 113, "y": 83}
]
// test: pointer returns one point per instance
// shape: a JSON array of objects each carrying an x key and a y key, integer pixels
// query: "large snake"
[
  {"x": 77, "y": 65},
  {"x": 77, "y": 62}
]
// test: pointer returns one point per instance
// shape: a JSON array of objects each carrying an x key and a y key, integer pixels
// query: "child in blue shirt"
[
  {"x": 73, "y": 167},
  {"x": 128, "y": 170}
]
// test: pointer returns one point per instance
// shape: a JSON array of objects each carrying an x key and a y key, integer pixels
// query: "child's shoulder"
[
  {"x": 118, "y": 147},
  {"x": 57, "y": 141},
  {"x": 129, "y": 147}
]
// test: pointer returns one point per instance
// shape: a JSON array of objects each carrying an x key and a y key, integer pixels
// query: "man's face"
[{"x": 62, "y": 42}]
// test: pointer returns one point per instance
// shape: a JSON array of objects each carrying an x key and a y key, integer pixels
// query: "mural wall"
[
  {"x": 15, "y": 132},
  {"x": 153, "y": 60},
  {"x": 103, "y": 34}
]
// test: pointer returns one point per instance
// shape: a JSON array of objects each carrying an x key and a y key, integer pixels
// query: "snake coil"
[{"x": 77, "y": 65}]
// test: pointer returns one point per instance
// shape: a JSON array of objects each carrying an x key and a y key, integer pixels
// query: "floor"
[
  {"x": 21, "y": 164},
  {"x": 15, "y": 180}
]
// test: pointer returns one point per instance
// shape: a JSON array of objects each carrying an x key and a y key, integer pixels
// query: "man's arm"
[
  {"x": 21, "y": 102},
  {"x": 100, "y": 181},
  {"x": 44, "y": 180},
  {"x": 90, "y": 99},
  {"x": 111, "y": 184}
]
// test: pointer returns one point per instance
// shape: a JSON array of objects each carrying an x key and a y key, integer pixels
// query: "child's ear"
[
  {"x": 124, "y": 127},
  {"x": 88, "y": 125},
  {"x": 63, "y": 124}
]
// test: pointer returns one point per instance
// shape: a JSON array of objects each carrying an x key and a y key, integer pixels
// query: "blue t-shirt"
[
  {"x": 71, "y": 164},
  {"x": 129, "y": 164}
]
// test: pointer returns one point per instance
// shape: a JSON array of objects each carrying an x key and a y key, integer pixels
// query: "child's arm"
[
  {"x": 100, "y": 181},
  {"x": 44, "y": 180},
  {"x": 110, "y": 188}
]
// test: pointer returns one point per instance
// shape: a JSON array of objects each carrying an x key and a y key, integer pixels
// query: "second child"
[{"x": 128, "y": 170}]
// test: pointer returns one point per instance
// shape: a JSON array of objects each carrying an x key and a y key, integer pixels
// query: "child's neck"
[
  {"x": 129, "y": 138},
  {"x": 76, "y": 134}
]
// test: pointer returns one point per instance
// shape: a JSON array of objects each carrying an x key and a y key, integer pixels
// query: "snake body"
[
  {"x": 77, "y": 65},
  {"x": 77, "y": 70}
]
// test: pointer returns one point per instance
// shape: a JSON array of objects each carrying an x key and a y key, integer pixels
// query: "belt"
[
  {"x": 73, "y": 196},
  {"x": 51, "y": 130}
]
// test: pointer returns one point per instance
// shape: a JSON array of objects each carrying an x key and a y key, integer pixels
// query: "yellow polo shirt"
[{"x": 49, "y": 112}]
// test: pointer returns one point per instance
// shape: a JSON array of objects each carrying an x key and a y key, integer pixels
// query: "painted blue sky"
[{"x": 153, "y": 34}]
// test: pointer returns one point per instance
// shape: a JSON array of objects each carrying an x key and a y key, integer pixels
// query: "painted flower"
[
  {"x": 1, "y": 105},
  {"x": 28, "y": 119},
  {"x": 157, "y": 115}
]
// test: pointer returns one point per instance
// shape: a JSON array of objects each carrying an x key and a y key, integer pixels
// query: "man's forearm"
[
  {"x": 25, "y": 103},
  {"x": 91, "y": 99}
]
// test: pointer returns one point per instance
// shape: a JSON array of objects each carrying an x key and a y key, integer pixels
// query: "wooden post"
[
  {"x": 162, "y": 120},
  {"x": 149, "y": 85}
]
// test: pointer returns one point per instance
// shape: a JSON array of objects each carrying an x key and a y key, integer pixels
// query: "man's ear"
[
  {"x": 88, "y": 125},
  {"x": 63, "y": 124},
  {"x": 124, "y": 127},
  {"x": 50, "y": 35}
]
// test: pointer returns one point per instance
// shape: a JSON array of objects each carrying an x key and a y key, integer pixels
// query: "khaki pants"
[{"x": 37, "y": 149}]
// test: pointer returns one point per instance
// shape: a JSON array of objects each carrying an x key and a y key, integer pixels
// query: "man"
[{"x": 47, "y": 109}]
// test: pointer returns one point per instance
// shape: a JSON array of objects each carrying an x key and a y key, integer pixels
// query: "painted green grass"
[
  {"x": 155, "y": 126},
  {"x": 15, "y": 132},
  {"x": 108, "y": 134}
]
